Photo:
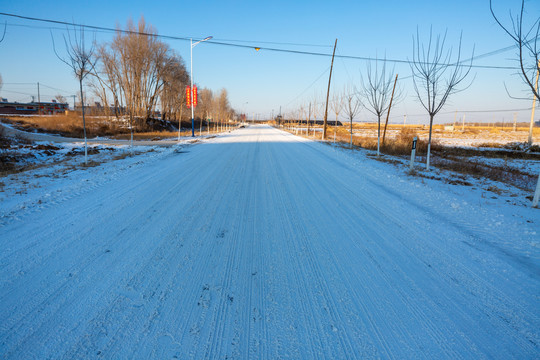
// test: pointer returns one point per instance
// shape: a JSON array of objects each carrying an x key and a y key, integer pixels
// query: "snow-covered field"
[
  {"x": 471, "y": 137},
  {"x": 262, "y": 245}
]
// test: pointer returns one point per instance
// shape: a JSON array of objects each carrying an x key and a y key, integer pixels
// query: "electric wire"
[
  {"x": 224, "y": 43},
  {"x": 309, "y": 87},
  {"x": 227, "y": 42}
]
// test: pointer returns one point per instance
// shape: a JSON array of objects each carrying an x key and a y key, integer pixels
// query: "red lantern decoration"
[
  {"x": 188, "y": 97},
  {"x": 194, "y": 95}
]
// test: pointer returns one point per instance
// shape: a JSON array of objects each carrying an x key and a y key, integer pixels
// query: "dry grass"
[
  {"x": 458, "y": 160},
  {"x": 151, "y": 135},
  {"x": 70, "y": 125},
  {"x": 504, "y": 174},
  {"x": 401, "y": 145}
]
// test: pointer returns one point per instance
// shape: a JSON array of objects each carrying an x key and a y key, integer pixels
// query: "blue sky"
[{"x": 262, "y": 82}]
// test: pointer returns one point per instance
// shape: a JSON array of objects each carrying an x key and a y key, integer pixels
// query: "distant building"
[
  {"x": 321, "y": 122},
  {"x": 32, "y": 108}
]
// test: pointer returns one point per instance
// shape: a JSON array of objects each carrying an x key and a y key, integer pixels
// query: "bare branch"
[
  {"x": 436, "y": 76},
  {"x": 81, "y": 61},
  {"x": 526, "y": 43}
]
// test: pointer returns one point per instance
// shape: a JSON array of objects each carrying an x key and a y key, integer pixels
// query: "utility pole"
[
  {"x": 309, "y": 119},
  {"x": 388, "y": 112},
  {"x": 463, "y": 126},
  {"x": 404, "y": 120},
  {"x": 191, "y": 88},
  {"x": 328, "y": 93},
  {"x": 38, "y": 99},
  {"x": 515, "y": 119},
  {"x": 530, "y": 141}
]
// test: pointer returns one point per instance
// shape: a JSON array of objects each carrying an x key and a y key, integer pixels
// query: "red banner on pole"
[
  {"x": 194, "y": 95},
  {"x": 188, "y": 97}
]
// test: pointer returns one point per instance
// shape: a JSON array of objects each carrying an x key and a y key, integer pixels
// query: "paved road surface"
[{"x": 258, "y": 245}]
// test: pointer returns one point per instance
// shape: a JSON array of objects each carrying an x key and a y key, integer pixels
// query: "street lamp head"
[{"x": 200, "y": 41}]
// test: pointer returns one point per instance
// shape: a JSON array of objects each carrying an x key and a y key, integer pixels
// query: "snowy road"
[{"x": 262, "y": 245}]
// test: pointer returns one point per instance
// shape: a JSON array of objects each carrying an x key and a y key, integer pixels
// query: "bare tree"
[
  {"x": 207, "y": 104},
  {"x": 136, "y": 65},
  {"x": 376, "y": 92},
  {"x": 100, "y": 89},
  {"x": 175, "y": 79},
  {"x": 109, "y": 77},
  {"x": 337, "y": 106},
  {"x": 526, "y": 41},
  {"x": 351, "y": 106},
  {"x": 60, "y": 98},
  {"x": 82, "y": 61},
  {"x": 222, "y": 106},
  {"x": 436, "y": 76}
]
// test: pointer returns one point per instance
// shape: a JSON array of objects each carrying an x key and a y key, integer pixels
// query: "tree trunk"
[
  {"x": 431, "y": 116},
  {"x": 351, "y": 133},
  {"x": 379, "y": 135},
  {"x": 84, "y": 123}
]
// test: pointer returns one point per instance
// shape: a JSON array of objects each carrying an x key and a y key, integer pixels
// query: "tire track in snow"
[
  {"x": 442, "y": 254},
  {"x": 274, "y": 252}
]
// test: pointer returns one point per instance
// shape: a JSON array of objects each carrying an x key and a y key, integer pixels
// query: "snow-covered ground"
[
  {"x": 262, "y": 245},
  {"x": 471, "y": 137}
]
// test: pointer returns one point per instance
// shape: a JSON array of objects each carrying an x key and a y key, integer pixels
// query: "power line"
[
  {"x": 53, "y": 88},
  {"x": 16, "y": 92},
  {"x": 227, "y": 40},
  {"x": 24, "y": 93},
  {"x": 273, "y": 42},
  {"x": 309, "y": 87},
  {"x": 41, "y": 84},
  {"x": 223, "y": 43},
  {"x": 93, "y": 27}
]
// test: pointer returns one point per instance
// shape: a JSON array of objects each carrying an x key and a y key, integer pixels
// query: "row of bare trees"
[
  {"x": 134, "y": 69},
  {"x": 436, "y": 75},
  {"x": 137, "y": 74},
  {"x": 437, "y": 72}
]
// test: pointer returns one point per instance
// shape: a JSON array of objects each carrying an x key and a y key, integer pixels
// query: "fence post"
[
  {"x": 536, "y": 193},
  {"x": 413, "y": 152}
]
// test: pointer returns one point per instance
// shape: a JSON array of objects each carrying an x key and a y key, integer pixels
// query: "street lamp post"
[{"x": 191, "y": 73}]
